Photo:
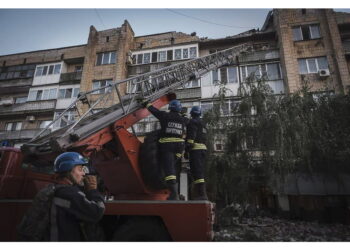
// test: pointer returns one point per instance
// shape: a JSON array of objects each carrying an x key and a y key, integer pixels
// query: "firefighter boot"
[
  {"x": 173, "y": 186},
  {"x": 200, "y": 192}
]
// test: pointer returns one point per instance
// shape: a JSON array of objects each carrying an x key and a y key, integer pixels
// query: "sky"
[{"x": 24, "y": 30}]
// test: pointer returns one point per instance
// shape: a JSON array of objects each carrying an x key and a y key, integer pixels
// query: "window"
[
  {"x": 185, "y": 53},
  {"x": 68, "y": 118},
  {"x": 51, "y": 69},
  {"x": 162, "y": 56},
  {"x": 79, "y": 68},
  {"x": 139, "y": 58},
  {"x": 206, "y": 106},
  {"x": 21, "y": 99},
  {"x": 306, "y": 32},
  {"x": 106, "y": 58},
  {"x": 223, "y": 75},
  {"x": 193, "y": 52},
  {"x": 215, "y": 77},
  {"x": 37, "y": 95},
  {"x": 147, "y": 58},
  {"x": 169, "y": 55},
  {"x": 44, "y": 124},
  {"x": 312, "y": 65},
  {"x": 177, "y": 54},
  {"x": 192, "y": 84},
  {"x": 101, "y": 84},
  {"x": 232, "y": 75},
  {"x": 154, "y": 56},
  {"x": 52, "y": 93},
  {"x": 48, "y": 70},
  {"x": 273, "y": 71},
  {"x": 68, "y": 93},
  {"x": 13, "y": 126}
]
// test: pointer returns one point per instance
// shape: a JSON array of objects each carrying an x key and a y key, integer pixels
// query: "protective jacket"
[
  {"x": 71, "y": 207},
  {"x": 196, "y": 134},
  {"x": 172, "y": 125}
]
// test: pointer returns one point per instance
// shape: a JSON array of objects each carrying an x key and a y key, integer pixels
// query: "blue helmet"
[
  {"x": 175, "y": 105},
  {"x": 196, "y": 111},
  {"x": 67, "y": 161}
]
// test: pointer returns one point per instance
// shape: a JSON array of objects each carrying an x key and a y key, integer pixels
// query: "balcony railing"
[
  {"x": 28, "y": 107},
  {"x": 71, "y": 77},
  {"x": 19, "y": 134}
]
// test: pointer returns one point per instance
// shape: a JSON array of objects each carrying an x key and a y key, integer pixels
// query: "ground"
[{"x": 278, "y": 230}]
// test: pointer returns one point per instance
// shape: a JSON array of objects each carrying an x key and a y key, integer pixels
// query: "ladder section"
[{"x": 112, "y": 105}]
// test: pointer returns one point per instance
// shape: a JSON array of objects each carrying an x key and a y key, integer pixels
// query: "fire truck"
[{"x": 137, "y": 208}]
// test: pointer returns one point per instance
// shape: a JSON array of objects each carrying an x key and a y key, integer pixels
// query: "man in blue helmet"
[
  {"x": 76, "y": 202},
  {"x": 171, "y": 142},
  {"x": 196, "y": 151}
]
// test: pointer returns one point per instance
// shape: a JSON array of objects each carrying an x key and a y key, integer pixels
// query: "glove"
[
  {"x": 90, "y": 182},
  {"x": 144, "y": 104}
]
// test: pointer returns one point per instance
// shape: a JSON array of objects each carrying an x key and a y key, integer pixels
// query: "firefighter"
[
  {"x": 171, "y": 142},
  {"x": 77, "y": 202},
  {"x": 196, "y": 151}
]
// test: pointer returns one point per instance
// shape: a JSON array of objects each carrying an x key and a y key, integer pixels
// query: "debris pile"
[{"x": 236, "y": 223}]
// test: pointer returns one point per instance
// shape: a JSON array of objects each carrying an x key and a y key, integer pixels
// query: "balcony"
[
  {"x": 19, "y": 135},
  {"x": 71, "y": 77},
  {"x": 28, "y": 107}
]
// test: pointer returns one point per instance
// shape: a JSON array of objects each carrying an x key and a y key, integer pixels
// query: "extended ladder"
[{"x": 149, "y": 86}]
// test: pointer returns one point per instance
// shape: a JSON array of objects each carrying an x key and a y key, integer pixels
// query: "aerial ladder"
[{"x": 114, "y": 151}]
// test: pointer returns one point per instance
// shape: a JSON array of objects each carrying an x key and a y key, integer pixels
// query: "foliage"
[{"x": 269, "y": 135}]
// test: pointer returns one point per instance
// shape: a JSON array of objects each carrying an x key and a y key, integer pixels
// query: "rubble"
[{"x": 234, "y": 224}]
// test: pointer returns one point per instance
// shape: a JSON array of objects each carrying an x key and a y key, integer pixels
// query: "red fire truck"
[{"x": 136, "y": 205}]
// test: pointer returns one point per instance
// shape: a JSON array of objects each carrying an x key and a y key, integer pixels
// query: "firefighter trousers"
[
  {"x": 197, "y": 163},
  {"x": 170, "y": 152}
]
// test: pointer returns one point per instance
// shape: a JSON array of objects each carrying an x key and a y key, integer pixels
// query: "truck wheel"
[
  {"x": 142, "y": 228},
  {"x": 153, "y": 174}
]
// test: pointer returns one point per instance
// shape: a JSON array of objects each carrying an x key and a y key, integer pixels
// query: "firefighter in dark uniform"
[
  {"x": 171, "y": 142},
  {"x": 77, "y": 202},
  {"x": 196, "y": 151}
]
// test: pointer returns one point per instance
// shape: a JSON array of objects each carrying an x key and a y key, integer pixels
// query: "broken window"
[
  {"x": 306, "y": 32},
  {"x": 154, "y": 56},
  {"x": 169, "y": 55}
]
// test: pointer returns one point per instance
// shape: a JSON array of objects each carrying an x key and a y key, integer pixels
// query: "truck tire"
[
  {"x": 142, "y": 228},
  {"x": 153, "y": 174}
]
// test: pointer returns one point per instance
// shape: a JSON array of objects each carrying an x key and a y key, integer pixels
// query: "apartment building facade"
[{"x": 293, "y": 47}]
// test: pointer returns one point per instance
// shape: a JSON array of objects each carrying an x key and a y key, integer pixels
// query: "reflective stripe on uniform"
[
  {"x": 170, "y": 139},
  {"x": 178, "y": 155},
  {"x": 61, "y": 202},
  {"x": 170, "y": 177},
  {"x": 198, "y": 146},
  {"x": 198, "y": 181},
  {"x": 190, "y": 141}
]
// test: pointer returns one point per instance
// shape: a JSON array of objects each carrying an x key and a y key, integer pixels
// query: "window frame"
[{"x": 102, "y": 55}]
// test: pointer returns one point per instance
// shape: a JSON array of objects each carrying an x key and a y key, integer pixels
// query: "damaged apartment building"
[{"x": 292, "y": 46}]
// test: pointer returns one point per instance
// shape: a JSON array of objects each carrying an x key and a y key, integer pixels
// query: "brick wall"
[{"x": 328, "y": 45}]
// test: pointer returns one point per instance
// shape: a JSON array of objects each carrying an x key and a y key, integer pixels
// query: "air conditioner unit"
[
  {"x": 323, "y": 72},
  {"x": 30, "y": 118}
]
